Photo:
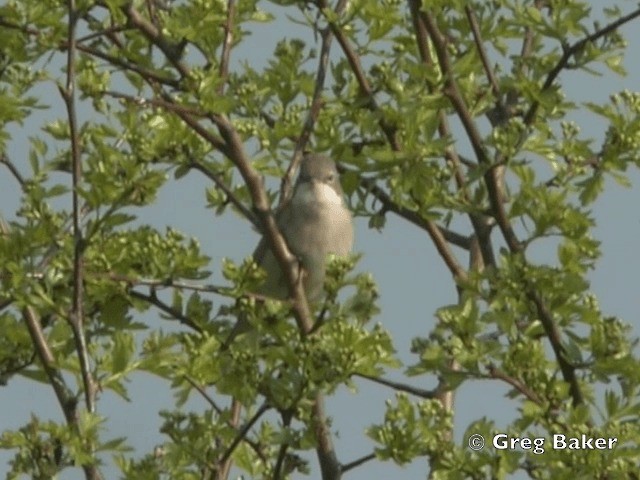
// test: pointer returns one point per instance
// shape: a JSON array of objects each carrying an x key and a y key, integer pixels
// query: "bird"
[{"x": 315, "y": 223}]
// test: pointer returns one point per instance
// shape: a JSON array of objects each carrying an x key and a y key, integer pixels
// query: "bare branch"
[
  {"x": 357, "y": 462},
  {"x": 12, "y": 168},
  {"x": 204, "y": 394},
  {"x": 401, "y": 387}
]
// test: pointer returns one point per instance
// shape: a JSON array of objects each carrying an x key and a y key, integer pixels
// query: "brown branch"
[
  {"x": 356, "y": 67},
  {"x": 329, "y": 464},
  {"x": 158, "y": 283},
  {"x": 443, "y": 125},
  {"x": 215, "y": 178},
  {"x": 186, "y": 113},
  {"x": 525, "y": 52},
  {"x": 67, "y": 400},
  {"x": 277, "y": 243},
  {"x": 357, "y": 462},
  {"x": 286, "y": 186},
  {"x": 484, "y": 58},
  {"x": 126, "y": 65},
  {"x": 570, "y": 52},
  {"x": 204, "y": 394},
  {"x": 451, "y": 90},
  {"x": 107, "y": 32},
  {"x": 172, "y": 52},
  {"x": 326, "y": 36},
  {"x": 401, "y": 387},
  {"x": 493, "y": 181},
  {"x": 243, "y": 432},
  {"x": 65, "y": 396},
  {"x": 478, "y": 223},
  {"x": 23, "y": 28},
  {"x": 226, "y": 45},
  {"x": 13, "y": 169},
  {"x": 555, "y": 339},
  {"x": 76, "y": 319},
  {"x": 284, "y": 446},
  {"x": 225, "y": 464},
  {"x": 495, "y": 372},
  {"x": 436, "y": 233},
  {"x": 154, "y": 300}
]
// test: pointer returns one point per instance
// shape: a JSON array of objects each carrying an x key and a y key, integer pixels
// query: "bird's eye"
[{"x": 331, "y": 177}]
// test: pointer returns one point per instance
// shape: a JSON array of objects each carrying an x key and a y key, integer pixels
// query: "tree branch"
[
  {"x": 570, "y": 52},
  {"x": 12, "y": 169},
  {"x": 77, "y": 313},
  {"x": 154, "y": 300},
  {"x": 243, "y": 432},
  {"x": 402, "y": 387},
  {"x": 149, "y": 30},
  {"x": 495, "y": 372},
  {"x": 226, "y": 45}
]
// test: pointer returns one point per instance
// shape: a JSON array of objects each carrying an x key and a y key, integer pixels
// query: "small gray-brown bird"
[{"x": 315, "y": 224}]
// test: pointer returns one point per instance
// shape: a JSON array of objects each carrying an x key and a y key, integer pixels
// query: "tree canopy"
[{"x": 450, "y": 115}]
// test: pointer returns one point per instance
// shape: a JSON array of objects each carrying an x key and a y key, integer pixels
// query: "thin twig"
[
  {"x": 357, "y": 462},
  {"x": 172, "y": 52},
  {"x": 401, "y": 387},
  {"x": 495, "y": 372},
  {"x": 243, "y": 432},
  {"x": 226, "y": 45},
  {"x": 484, "y": 58},
  {"x": 326, "y": 36},
  {"x": 329, "y": 464},
  {"x": 158, "y": 283},
  {"x": 204, "y": 394},
  {"x": 127, "y": 65},
  {"x": 65, "y": 396},
  {"x": 452, "y": 91},
  {"x": 555, "y": 339},
  {"x": 573, "y": 50},
  {"x": 13, "y": 169},
  {"x": 438, "y": 235},
  {"x": 154, "y": 300},
  {"x": 77, "y": 313},
  {"x": 215, "y": 178},
  {"x": 389, "y": 130}
]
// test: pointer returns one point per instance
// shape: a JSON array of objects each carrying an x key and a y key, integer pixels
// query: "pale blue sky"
[{"x": 412, "y": 280}]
